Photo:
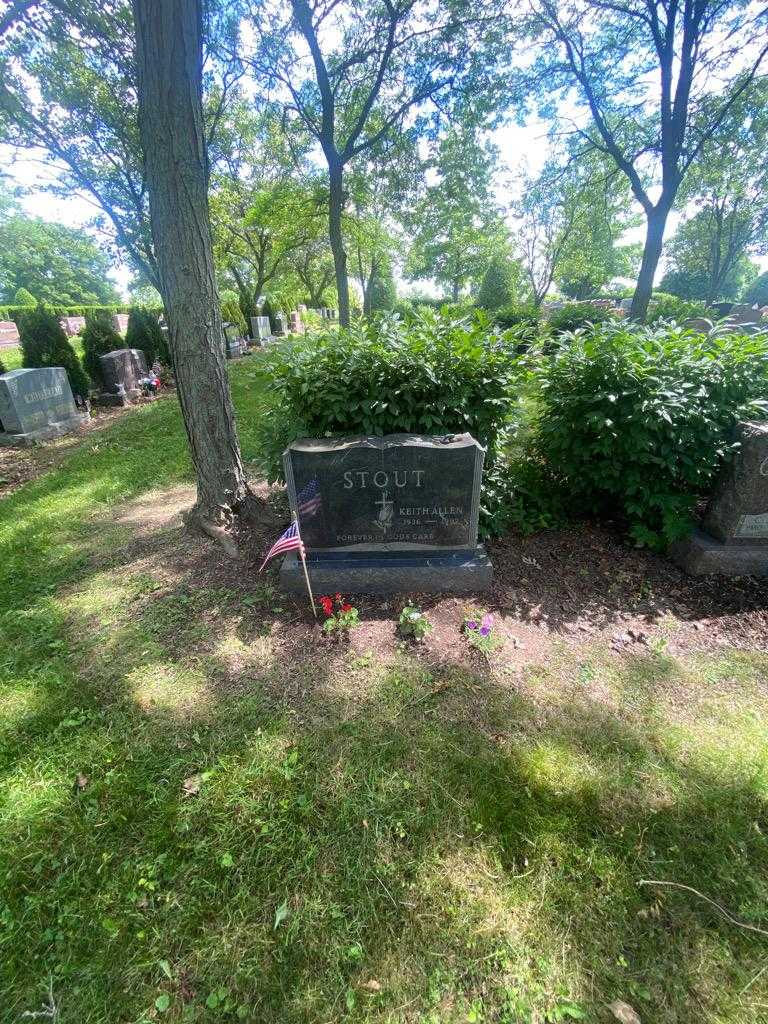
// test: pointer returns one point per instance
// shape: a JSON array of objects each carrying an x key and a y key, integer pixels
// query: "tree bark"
[
  {"x": 654, "y": 238},
  {"x": 169, "y": 62},
  {"x": 335, "y": 209}
]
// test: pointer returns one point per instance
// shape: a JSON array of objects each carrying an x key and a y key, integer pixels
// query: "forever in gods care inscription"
[{"x": 400, "y": 492}]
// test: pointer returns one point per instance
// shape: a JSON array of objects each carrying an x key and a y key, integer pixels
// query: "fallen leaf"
[
  {"x": 371, "y": 985},
  {"x": 623, "y": 1012},
  {"x": 191, "y": 786},
  {"x": 280, "y": 914}
]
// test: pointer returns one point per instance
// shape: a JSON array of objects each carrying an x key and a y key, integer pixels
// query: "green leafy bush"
[
  {"x": 15, "y": 311},
  {"x": 634, "y": 421},
  {"x": 44, "y": 343},
  {"x": 433, "y": 375},
  {"x": 99, "y": 337},
  {"x": 575, "y": 315},
  {"x": 664, "y": 307},
  {"x": 500, "y": 281},
  {"x": 524, "y": 315},
  {"x": 2, "y": 367},
  {"x": 757, "y": 292},
  {"x": 144, "y": 333}
]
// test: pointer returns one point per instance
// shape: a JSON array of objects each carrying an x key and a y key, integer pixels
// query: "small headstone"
[
  {"x": 9, "y": 333},
  {"x": 126, "y": 368},
  {"x": 37, "y": 404},
  {"x": 280, "y": 324},
  {"x": 233, "y": 343},
  {"x": 387, "y": 514},
  {"x": 120, "y": 322},
  {"x": 294, "y": 323},
  {"x": 733, "y": 539},
  {"x": 73, "y": 325},
  {"x": 626, "y": 305}
]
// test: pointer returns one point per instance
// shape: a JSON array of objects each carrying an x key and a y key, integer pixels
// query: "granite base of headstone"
[
  {"x": 37, "y": 405},
  {"x": 122, "y": 372},
  {"x": 733, "y": 538},
  {"x": 380, "y": 515}
]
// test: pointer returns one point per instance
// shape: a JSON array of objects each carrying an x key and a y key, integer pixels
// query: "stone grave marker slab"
[
  {"x": 9, "y": 333},
  {"x": 123, "y": 371},
  {"x": 387, "y": 514},
  {"x": 36, "y": 405},
  {"x": 733, "y": 539},
  {"x": 120, "y": 322}
]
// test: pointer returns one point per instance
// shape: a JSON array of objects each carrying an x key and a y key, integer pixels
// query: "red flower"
[
  {"x": 338, "y": 597},
  {"x": 346, "y": 607},
  {"x": 327, "y": 604}
]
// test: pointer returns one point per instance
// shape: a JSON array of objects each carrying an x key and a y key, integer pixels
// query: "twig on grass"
[
  {"x": 50, "y": 1010},
  {"x": 723, "y": 911}
]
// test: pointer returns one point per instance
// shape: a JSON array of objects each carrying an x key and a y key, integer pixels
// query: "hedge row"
[{"x": 14, "y": 312}]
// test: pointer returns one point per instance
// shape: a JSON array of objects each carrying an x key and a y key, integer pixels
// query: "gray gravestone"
[
  {"x": 120, "y": 322},
  {"x": 387, "y": 514},
  {"x": 37, "y": 404},
  {"x": 233, "y": 344},
  {"x": 122, "y": 372},
  {"x": 734, "y": 535},
  {"x": 280, "y": 324}
]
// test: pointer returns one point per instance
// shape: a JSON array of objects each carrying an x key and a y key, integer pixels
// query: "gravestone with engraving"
[
  {"x": 122, "y": 372},
  {"x": 260, "y": 329},
  {"x": 280, "y": 324},
  {"x": 387, "y": 514},
  {"x": 37, "y": 404},
  {"x": 733, "y": 539}
]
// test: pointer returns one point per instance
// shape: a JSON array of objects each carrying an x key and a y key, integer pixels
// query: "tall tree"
[
  {"x": 353, "y": 73},
  {"x": 458, "y": 225},
  {"x": 57, "y": 264},
  {"x": 710, "y": 255},
  {"x": 647, "y": 72},
  {"x": 169, "y": 64}
]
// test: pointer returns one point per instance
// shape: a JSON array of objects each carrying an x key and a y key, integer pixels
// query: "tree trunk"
[
  {"x": 335, "y": 208},
  {"x": 654, "y": 238},
  {"x": 169, "y": 63},
  {"x": 455, "y": 291}
]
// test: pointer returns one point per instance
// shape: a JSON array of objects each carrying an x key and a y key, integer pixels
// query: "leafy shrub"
[
  {"x": 524, "y": 315},
  {"x": 499, "y": 283},
  {"x": 574, "y": 315},
  {"x": 383, "y": 293},
  {"x": 44, "y": 343},
  {"x": 413, "y": 623},
  {"x": 521, "y": 493},
  {"x": 635, "y": 421},
  {"x": 145, "y": 333},
  {"x": 2, "y": 368},
  {"x": 15, "y": 311},
  {"x": 663, "y": 307},
  {"x": 430, "y": 376},
  {"x": 99, "y": 337},
  {"x": 757, "y": 292}
]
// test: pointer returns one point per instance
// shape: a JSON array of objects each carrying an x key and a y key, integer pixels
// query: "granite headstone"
[
  {"x": 387, "y": 514},
  {"x": 733, "y": 539},
  {"x": 37, "y": 404},
  {"x": 122, "y": 372}
]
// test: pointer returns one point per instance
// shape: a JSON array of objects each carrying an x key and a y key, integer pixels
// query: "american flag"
[
  {"x": 288, "y": 541},
  {"x": 308, "y": 500}
]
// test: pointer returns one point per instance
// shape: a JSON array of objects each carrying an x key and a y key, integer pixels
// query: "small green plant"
[
  {"x": 664, "y": 307},
  {"x": 576, "y": 315},
  {"x": 413, "y": 623},
  {"x": 340, "y": 615},
  {"x": 479, "y": 631}
]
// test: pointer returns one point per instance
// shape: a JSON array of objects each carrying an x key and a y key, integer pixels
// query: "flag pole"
[{"x": 304, "y": 566}]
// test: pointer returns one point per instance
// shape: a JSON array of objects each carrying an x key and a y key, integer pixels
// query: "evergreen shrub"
[
  {"x": 144, "y": 333},
  {"x": 575, "y": 315},
  {"x": 44, "y": 343},
  {"x": 665, "y": 307},
  {"x": 99, "y": 337},
  {"x": 635, "y": 421}
]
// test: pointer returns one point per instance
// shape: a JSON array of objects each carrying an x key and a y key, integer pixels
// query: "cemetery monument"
[
  {"x": 387, "y": 514},
  {"x": 36, "y": 405}
]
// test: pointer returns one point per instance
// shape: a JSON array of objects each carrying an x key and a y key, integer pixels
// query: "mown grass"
[{"x": 405, "y": 844}]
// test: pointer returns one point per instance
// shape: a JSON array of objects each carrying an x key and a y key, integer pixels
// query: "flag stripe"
[{"x": 288, "y": 541}]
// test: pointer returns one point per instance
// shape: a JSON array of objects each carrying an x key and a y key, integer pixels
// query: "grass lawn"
[{"x": 206, "y": 815}]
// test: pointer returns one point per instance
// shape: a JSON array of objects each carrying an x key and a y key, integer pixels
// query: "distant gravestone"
[
  {"x": 120, "y": 322},
  {"x": 280, "y": 324},
  {"x": 387, "y": 514},
  {"x": 37, "y": 404},
  {"x": 733, "y": 539},
  {"x": 122, "y": 372},
  {"x": 73, "y": 325},
  {"x": 235, "y": 346},
  {"x": 294, "y": 323},
  {"x": 626, "y": 305},
  {"x": 9, "y": 333}
]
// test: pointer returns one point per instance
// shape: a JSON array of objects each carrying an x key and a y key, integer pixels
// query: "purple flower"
[
  {"x": 485, "y": 630},
  {"x": 472, "y": 625},
  {"x": 487, "y": 622}
]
